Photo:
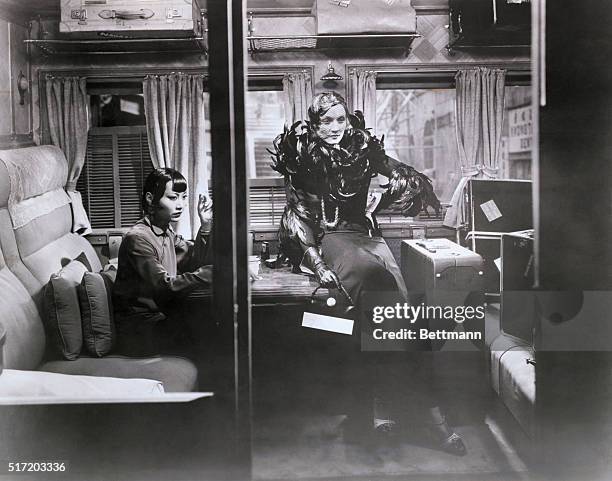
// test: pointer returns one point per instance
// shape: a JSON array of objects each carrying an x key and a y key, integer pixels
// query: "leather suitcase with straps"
[{"x": 131, "y": 18}]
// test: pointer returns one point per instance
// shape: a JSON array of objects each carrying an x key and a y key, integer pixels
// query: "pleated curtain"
[
  {"x": 479, "y": 121},
  {"x": 68, "y": 117},
  {"x": 363, "y": 95},
  {"x": 174, "y": 110},
  {"x": 68, "y": 120},
  {"x": 297, "y": 90}
]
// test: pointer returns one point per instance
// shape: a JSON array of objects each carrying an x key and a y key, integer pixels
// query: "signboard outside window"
[{"x": 520, "y": 135}]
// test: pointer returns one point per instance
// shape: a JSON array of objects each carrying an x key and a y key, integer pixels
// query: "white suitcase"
[
  {"x": 336, "y": 17},
  {"x": 439, "y": 272},
  {"x": 131, "y": 18}
]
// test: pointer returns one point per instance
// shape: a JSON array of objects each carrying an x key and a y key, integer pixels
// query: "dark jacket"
[{"x": 154, "y": 267}]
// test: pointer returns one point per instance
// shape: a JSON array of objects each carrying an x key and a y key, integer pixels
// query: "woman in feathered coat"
[{"x": 329, "y": 224}]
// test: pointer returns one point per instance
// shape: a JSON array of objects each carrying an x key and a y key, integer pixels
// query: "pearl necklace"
[{"x": 325, "y": 221}]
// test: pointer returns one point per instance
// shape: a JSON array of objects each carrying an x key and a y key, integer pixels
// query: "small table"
[{"x": 277, "y": 287}]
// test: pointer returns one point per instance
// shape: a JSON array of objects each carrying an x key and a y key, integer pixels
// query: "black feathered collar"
[{"x": 341, "y": 171}]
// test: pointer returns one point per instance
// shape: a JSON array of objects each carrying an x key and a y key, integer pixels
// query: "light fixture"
[
  {"x": 22, "y": 87},
  {"x": 331, "y": 77}
]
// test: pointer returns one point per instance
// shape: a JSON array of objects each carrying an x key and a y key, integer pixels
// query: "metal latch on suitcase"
[
  {"x": 78, "y": 14},
  {"x": 172, "y": 13}
]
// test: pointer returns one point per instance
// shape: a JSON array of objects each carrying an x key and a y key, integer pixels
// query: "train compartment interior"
[{"x": 494, "y": 100}]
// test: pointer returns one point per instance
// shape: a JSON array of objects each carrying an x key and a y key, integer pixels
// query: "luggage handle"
[{"x": 143, "y": 13}]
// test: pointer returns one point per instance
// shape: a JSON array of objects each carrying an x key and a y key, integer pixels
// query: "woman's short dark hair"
[
  {"x": 156, "y": 184},
  {"x": 321, "y": 103}
]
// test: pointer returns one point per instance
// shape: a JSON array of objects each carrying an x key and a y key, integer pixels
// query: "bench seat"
[
  {"x": 177, "y": 374},
  {"x": 35, "y": 242}
]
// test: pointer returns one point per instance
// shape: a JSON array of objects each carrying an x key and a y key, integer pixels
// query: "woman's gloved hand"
[{"x": 326, "y": 277}]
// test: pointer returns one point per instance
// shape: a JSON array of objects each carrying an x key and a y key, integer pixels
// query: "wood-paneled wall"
[{"x": 15, "y": 119}]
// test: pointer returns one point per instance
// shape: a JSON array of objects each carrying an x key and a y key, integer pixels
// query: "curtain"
[
  {"x": 68, "y": 116},
  {"x": 297, "y": 90},
  {"x": 174, "y": 110},
  {"x": 492, "y": 108},
  {"x": 363, "y": 89},
  {"x": 68, "y": 119},
  {"x": 479, "y": 110}
]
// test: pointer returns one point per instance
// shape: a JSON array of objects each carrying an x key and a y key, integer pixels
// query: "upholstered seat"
[
  {"x": 35, "y": 242},
  {"x": 176, "y": 373},
  {"x": 513, "y": 378}
]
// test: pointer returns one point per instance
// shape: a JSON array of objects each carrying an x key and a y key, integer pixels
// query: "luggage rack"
[
  {"x": 117, "y": 46},
  {"x": 256, "y": 44},
  {"x": 259, "y": 44}
]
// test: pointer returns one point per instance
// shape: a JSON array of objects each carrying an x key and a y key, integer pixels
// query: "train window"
[
  {"x": 109, "y": 110},
  {"x": 516, "y": 141},
  {"x": 265, "y": 118},
  {"x": 419, "y": 129},
  {"x": 117, "y": 160},
  {"x": 118, "y": 156}
]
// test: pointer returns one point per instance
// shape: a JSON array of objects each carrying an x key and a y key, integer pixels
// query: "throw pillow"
[
  {"x": 63, "y": 319},
  {"x": 96, "y": 313}
]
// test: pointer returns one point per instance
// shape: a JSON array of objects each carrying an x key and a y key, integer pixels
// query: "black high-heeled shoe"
[{"x": 442, "y": 435}]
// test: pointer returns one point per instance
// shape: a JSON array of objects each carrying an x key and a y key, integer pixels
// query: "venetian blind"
[
  {"x": 266, "y": 204},
  {"x": 117, "y": 162}
]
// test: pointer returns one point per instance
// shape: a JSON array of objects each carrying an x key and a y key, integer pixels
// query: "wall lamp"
[
  {"x": 22, "y": 87},
  {"x": 331, "y": 78}
]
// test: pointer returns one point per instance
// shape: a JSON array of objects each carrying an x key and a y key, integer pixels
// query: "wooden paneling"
[
  {"x": 15, "y": 119},
  {"x": 19, "y": 64},
  {"x": 5, "y": 80}
]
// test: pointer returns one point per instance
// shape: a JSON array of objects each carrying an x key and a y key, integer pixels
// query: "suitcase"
[
  {"x": 517, "y": 313},
  {"x": 336, "y": 17},
  {"x": 131, "y": 18},
  {"x": 439, "y": 272},
  {"x": 496, "y": 207}
]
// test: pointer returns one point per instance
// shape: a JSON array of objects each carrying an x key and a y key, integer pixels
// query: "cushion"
[
  {"x": 63, "y": 314},
  {"x": 176, "y": 373},
  {"x": 96, "y": 313},
  {"x": 65, "y": 387},
  {"x": 517, "y": 386}
]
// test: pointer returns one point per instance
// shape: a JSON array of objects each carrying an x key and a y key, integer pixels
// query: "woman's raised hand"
[{"x": 205, "y": 212}]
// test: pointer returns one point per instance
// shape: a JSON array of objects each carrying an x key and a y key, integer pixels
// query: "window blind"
[
  {"x": 266, "y": 204},
  {"x": 117, "y": 162}
]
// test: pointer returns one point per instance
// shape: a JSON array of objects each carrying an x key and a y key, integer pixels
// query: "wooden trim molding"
[{"x": 16, "y": 141}]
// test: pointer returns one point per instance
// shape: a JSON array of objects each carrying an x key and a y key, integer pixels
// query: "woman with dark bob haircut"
[
  {"x": 329, "y": 227},
  {"x": 156, "y": 265}
]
